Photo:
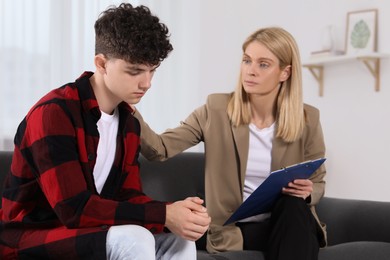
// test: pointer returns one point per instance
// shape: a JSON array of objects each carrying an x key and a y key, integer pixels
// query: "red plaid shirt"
[{"x": 51, "y": 208}]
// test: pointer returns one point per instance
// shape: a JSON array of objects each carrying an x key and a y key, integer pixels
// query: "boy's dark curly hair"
[{"x": 132, "y": 34}]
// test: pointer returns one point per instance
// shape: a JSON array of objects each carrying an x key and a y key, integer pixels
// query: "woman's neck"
[{"x": 263, "y": 111}]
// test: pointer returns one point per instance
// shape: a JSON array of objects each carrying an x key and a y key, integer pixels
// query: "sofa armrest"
[{"x": 351, "y": 220}]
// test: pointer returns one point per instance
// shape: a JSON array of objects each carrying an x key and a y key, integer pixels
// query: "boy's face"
[{"x": 127, "y": 82}]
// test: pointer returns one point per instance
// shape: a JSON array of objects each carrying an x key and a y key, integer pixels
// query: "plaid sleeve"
[{"x": 54, "y": 148}]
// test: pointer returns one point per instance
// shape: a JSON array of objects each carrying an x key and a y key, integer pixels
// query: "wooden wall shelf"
[{"x": 371, "y": 61}]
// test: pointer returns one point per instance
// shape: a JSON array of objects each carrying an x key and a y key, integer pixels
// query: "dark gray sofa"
[{"x": 357, "y": 229}]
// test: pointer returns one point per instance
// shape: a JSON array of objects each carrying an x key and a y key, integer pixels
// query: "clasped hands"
[{"x": 187, "y": 218}]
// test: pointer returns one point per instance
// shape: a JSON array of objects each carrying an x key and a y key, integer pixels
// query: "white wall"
[{"x": 207, "y": 37}]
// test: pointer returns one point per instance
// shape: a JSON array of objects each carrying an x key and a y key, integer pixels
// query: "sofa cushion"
[
  {"x": 241, "y": 255},
  {"x": 179, "y": 177},
  {"x": 351, "y": 220},
  {"x": 362, "y": 250}
]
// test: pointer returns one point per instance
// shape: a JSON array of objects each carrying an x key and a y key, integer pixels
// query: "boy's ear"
[
  {"x": 100, "y": 63},
  {"x": 285, "y": 73}
]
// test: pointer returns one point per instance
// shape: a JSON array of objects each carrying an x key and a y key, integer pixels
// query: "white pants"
[{"x": 135, "y": 242}]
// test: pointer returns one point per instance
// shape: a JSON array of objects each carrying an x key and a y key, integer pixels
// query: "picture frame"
[{"x": 361, "y": 33}]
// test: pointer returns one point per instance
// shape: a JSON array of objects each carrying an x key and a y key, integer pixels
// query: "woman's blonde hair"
[{"x": 289, "y": 111}]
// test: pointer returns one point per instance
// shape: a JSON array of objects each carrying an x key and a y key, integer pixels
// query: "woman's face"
[{"x": 260, "y": 72}]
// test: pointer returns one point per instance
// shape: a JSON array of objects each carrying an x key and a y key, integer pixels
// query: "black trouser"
[{"x": 291, "y": 232}]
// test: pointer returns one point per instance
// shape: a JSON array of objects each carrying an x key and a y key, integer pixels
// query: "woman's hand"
[{"x": 299, "y": 188}]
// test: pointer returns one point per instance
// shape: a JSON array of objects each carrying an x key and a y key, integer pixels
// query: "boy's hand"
[{"x": 188, "y": 218}]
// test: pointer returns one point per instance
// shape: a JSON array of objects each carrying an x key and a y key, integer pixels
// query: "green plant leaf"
[{"x": 360, "y": 35}]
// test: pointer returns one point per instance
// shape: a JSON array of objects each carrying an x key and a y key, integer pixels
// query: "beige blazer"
[{"x": 226, "y": 154}]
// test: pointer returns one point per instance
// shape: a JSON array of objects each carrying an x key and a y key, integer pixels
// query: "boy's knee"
[{"x": 131, "y": 236}]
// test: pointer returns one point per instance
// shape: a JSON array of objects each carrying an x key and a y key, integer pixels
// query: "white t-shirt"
[
  {"x": 108, "y": 131},
  {"x": 259, "y": 162}
]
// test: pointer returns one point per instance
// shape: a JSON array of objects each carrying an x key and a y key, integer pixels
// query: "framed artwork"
[{"x": 361, "y": 36}]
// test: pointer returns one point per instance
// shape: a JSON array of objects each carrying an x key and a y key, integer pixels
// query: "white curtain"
[{"x": 43, "y": 45}]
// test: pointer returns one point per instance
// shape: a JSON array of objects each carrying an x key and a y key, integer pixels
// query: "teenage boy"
[{"x": 74, "y": 189}]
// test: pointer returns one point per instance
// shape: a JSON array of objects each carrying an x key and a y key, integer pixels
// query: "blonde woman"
[{"x": 260, "y": 127}]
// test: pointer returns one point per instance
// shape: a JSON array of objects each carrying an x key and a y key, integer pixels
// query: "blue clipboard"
[{"x": 263, "y": 198}]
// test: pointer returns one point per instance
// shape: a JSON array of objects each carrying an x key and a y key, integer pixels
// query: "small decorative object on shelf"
[
  {"x": 361, "y": 36},
  {"x": 327, "y": 37}
]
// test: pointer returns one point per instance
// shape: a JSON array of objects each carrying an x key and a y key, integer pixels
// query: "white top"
[
  {"x": 259, "y": 162},
  {"x": 108, "y": 131}
]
